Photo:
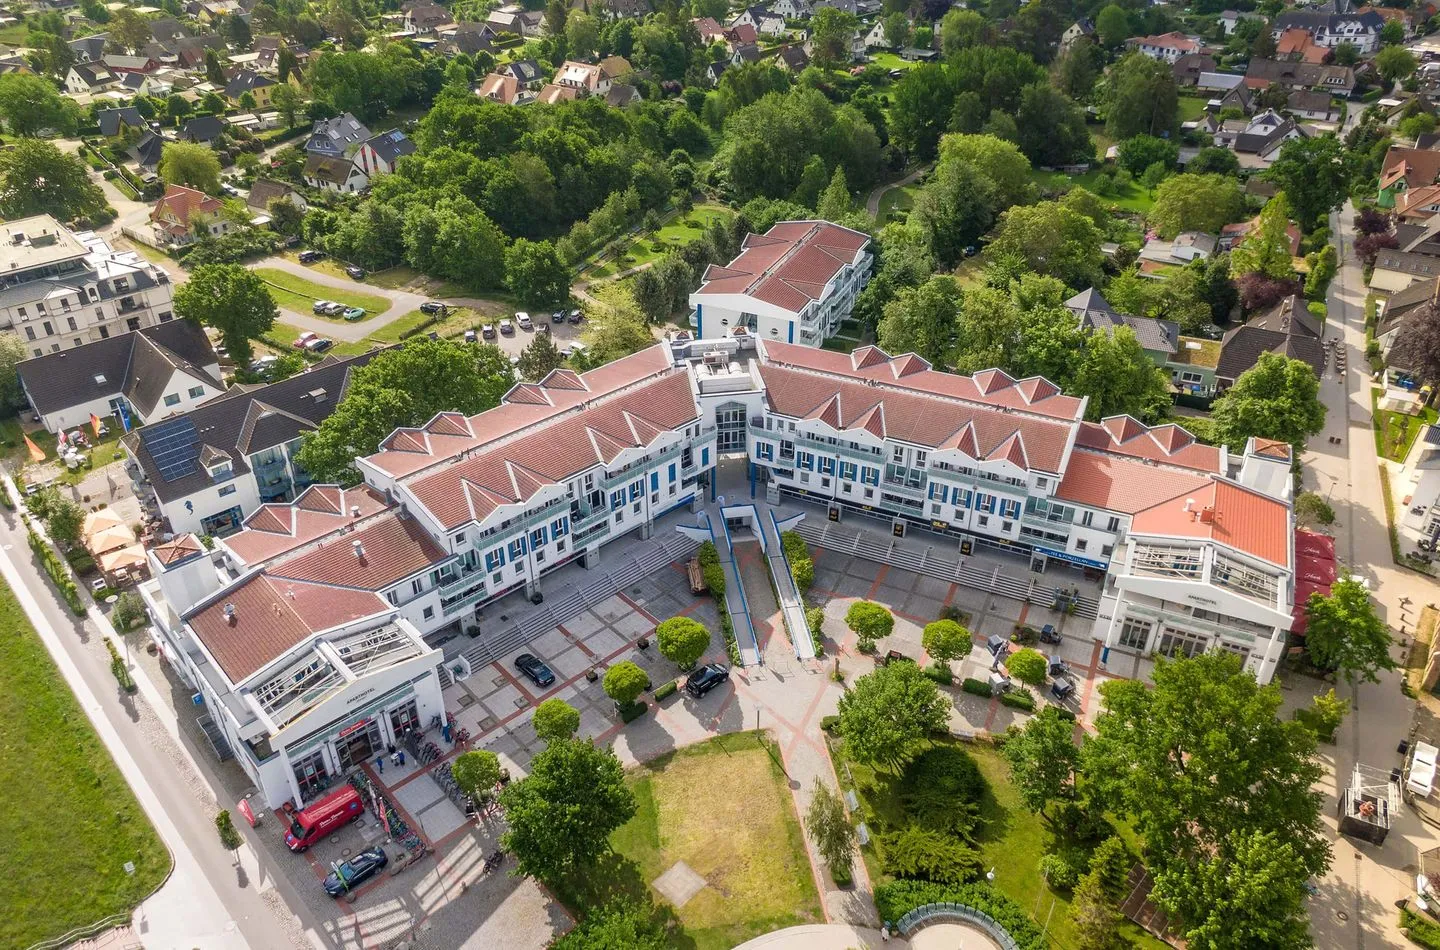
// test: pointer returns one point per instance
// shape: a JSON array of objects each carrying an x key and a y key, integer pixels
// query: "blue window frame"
[
  {"x": 961, "y": 498},
  {"x": 537, "y": 537},
  {"x": 938, "y": 491},
  {"x": 560, "y": 527},
  {"x": 705, "y": 457},
  {"x": 494, "y": 560},
  {"x": 654, "y": 481},
  {"x": 827, "y": 465},
  {"x": 985, "y": 503},
  {"x": 1009, "y": 509},
  {"x": 517, "y": 548},
  {"x": 637, "y": 489},
  {"x": 672, "y": 471},
  {"x": 870, "y": 476},
  {"x": 765, "y": 450},
  {"x": 848, "y": 470},
  {"x": 617, "y": 499},
  {"x": 805, "y": 460}
]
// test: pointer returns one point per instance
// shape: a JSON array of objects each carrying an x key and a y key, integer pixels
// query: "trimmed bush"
[
  {"x": 1419, "y": 930},
  {"x": 664, "y": 691},
  {"x": 55, "y": 568},
  {"x": 1019, "y": 699},
  {"x": 917, "y": 852},
  {"x": 895, "y": 899},
  {"x": 632, "y": 712},
  {"x": 976, "y": 687},
  {"x": 714, "y": 577},
  {"x": 942, "y": 789},
  {"x": 829, "y": 723},
  {"x": 1059, "y": 871},
  {"x": 940, "y": 674},
  {"x": 1063, "y": 713}
]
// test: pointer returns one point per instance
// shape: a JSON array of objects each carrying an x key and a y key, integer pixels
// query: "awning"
[
  {"x": 117, "y": 536},
  {"x": 1310, "y": 544},
  {"x": 122, "y": 558},
  {"x": 97, "y": 521}
]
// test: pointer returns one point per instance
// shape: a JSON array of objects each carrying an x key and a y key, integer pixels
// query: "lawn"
[
  {"x": 68, "y": 820},
  {"x": 676, "y": 232},
  {"x": 1130, "y": 197},
  {"x": 1192, "y": 108},
  {"x": 1011, "y": 840},
  {"x": 724, "y": 808},
  {"x": 1395, "y": 432},
  {"x": 15, "y": 34},
  {"x": 897, "y": 199},
  {"x": 399, "y": 277},
  {"x": 298, "y": 294},
  {"x": 888, "y": 61}
]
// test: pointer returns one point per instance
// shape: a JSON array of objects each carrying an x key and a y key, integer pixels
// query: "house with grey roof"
[
  {"x": 114, "y": 121},
  {"x": 1189, "y": 361},
  {"x": 1288, "y": 328},
  {"x": 337, "y": 137}
]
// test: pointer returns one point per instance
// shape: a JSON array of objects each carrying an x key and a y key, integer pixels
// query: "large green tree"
[
  {"x": 1277, "y": 398},
  {"x": 536, "y": 273},
  {"x": 1042, "y": 757},
  {"x": 922, "y": 319},
  {"x": 1001, "y": 163},
  {"x": 1196, "y": 203},
  {"x": 1266, "y": 248},
  {"x": 1140, "y": 97},
  {"x": 561, "y": 815},
  {"x": 1121, "y": 378},
  {"x": 29, "y": 104},
  {"x": 232, "y": 300},
  {"x": 682, "y": 641},
  {"x": 477, "y": 772},
  {"x": 1051, "y": 239},
  {"x": 556, "y": 719},
  {"x": 618, "y": 925},
  {"x": 616, "y": 326},
  {"x": 1314, "y": 175},
  {"x": 886, "y": 714},
  {"x": 38, "y": 178},
  {"x": 1344, "y": 632},
  {"x": 191, "y": 164},
  {"x": 404, "y": 387},
  {"x": 1052, "y": 127},
  {"x": 954, "y": 209},
  {"x": 453, "y": 239}
]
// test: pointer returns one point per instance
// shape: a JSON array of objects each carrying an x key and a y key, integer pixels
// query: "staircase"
[{"x": 943, "y": 565}]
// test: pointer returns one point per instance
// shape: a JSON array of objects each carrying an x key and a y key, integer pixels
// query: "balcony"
[
  {"x": 267, "y": 466},
  {"x": 591, "y": 532},
  {"x": 477, "y": 591}
]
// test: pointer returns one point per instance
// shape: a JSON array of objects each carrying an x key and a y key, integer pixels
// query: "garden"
[
  {"x": 298, "y": 294},
  {"x": 646, "y": 247}
]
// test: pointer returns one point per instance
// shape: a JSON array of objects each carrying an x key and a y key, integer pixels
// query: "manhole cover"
[
  {"x": 344, "y": 852},
  {"x": 1342, "y": 915},
  {"x": 334, "y": 839}
]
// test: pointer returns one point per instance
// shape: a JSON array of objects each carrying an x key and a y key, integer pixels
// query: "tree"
[
  {"x": 1311, "y": 509},
  {"x": 1028, "y": 666},
  {"x": 288, "y": 101},
  {"x": 1314, "y": 176},
  {"x": 38, "y": 178},
  {"x": 1328, "y": 711},
  {"x": 1202, "y": 758},
  {"x": 1142, "y": 151},
  {"x": 959, "y": 29},
  {"x": 1392, "y": 33},
  {"x": 945, "y": 640},
  {"x": 128, "y": 29},
  {"x": 1120, "y": 378},
  {"x": 831, "y": 30},
  {"x": 1001, "y": 163},
  {"x": 1140, "y": 97},
  {"x": 29, "y": 104},
  {"x": 129, "y": 611},
  {"x": 477, "y": 772},
  {"x": 869, "y": 622},
  {"x": 582, "y": 33},
  {"x": 812, "y": 182},
  {"x": 1345, "y": 634},
  {"x": 556, "y": 719},
  {"x": 1051, "y": 239},
  {"x": 1346, "y": 54},
  {"x": 1196, "y": 203},
  {"x": 1153, "y": 176},
  {"x": 1250, "y": 895},
  {"x": 1042, "y": 757},
  {"x": 1112, "y": 25},
  {"x": 616, "y": 326},
  {"x": 1395, "y": 63},
  {"x": 12, "y": 354},
  {"x": 830, "y": 829},
  {"x": 922, "y": 320},
  {"x": 231, "y": 299},
  {"x": 285, "y": 216},
  {"x": 192, "y": 164},
  {"x": 834, "y": 203},
  {"x": 403, "y": 387},
  {"x": 247, "y": 100},
  {"x": 619, "y": 925},
  {"x": 1417, "y": 345},
  {"x": 624, "y": 682},
  {"x": 1094, "y": 921},
  {"x": 230, "y": 839},
  {"x": 1213, "y": 161},
  {"x": 1277, "y": 398},
  {"x": 450, "y": 238},
  {"x": 682, "y": 641},
  {"x": 64, "y": 522},
  {"x": 887, "y": 712},
  {"x": 1051, "y": 127},
  {"x": 920, "y": 105},
  {"x": 539, "y": 358},
  {"x": 1075, "y": 72},
  {"x": 560, "y": 816},
  {"x": 954, "y": 209},
  {"x": 897, "y": 29},
  {"x": 536, "y": 274},
  {"x": 1266, "y": 248}
]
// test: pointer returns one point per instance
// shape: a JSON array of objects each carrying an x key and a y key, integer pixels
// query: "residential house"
[
  {"x": 141, "y": 84},
  {"x": 1336, "y": 80},
  {"x": 551, "y": 93},
  {"x": 65, "y": 289},
  {"x": 139, "y": 376},
  {"x": 527, "y": 72},
  {"x": 1184, "y": 358},
  {"x": 88, "y": 77},
  {"x": 212, "y": 11},
  {"x": 1361, "y": 30},
  {"x": 875, "y": 37},
  {"x": 746, "y": 54},
  {"x": 467, "y": 38},
  {"x": 844, "y": 6},
  {"x": 764, "y": 21},
  {"x": 115, "y": 121},
  {"x": 1188, "y": 246},
  {"x": 1316, "y": 106},
  {"x": 791, "y": 9},
  {"x": 1288, "y": 329},
  {"x": 621, "y": 95},
  {"x": 504, "y": 88},
  {"x": 794, "y": 283},
  {"x": 1167, "y": 47},
  {"x": 336, "y": 137},
  {"x": 89, "y": 49},
  {"x": 258, "y": 86},
  {"x": 424, "y": 19},
  {"x": 513, "y": 18},
  {"x": 184, "y": 215},
  {"x": 1234, "y": 234},
  {"x": 1229, "y": 19},
  {"x": 588, "y": 79},
  {"x": 341, "y": 175},
  {"x": 714, "y": 71},
  {"x": 266, "y": 190},
  {"x": 381, "y": 153},
  {"x": 148, "y": 151},
  {"x": 203, "y": 129},
  {"x": 120, "y": 65},
  {"x": 1405, "y": 168},
  {"x": 709, "y": 30},
  {"x": 1298, "y": 45},
  {"x": 1081, "y": 29},
  {"x": 1417, "y": 205},
  {"x": 792, "y": 59},
  {"x": 741, "y": 34},
  {"x": 1396, "y": 270},
  {"x": 1188, "y": 68},
  {"x": 628, "y": 9},
  {"x": 1257, "y": 141}
]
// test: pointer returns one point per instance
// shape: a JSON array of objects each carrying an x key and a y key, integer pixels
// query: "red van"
[{"x": 332, "y": 811}]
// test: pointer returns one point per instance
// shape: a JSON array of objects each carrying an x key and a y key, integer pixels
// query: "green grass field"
[
  {"x": 1192, "y": 108},
  {"x": 888, "y": 60},
  {"x": 897, "y": 199},
  {"x": 68, "y": 820},
  {"x": 723, "y": 808},
  {"x": 1131, "y": 197},
  {"x": 675, "y": 233},
  {"x": 296, "y": 293}
]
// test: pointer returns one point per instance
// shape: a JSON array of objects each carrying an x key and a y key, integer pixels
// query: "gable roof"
[
  {"x": 138, "y": 365},
  {"x": 788, "y": 266},
  {"x": 1289, "y": 333},
  {"x": 336, "y": 134},
  {"x": 392, "y": 547},
  {"x": 111, "y": 120},
  {"x": 273, "y": 530},
  {"x": 202, "y": 128},
  {"x": 1095, "y": 313},
  {"x": 245, "y": 81},
  {"x": 266, "y": 190},
  {"x": 183, "y": 203},
  {"x": 328, "y": 168},
  {"x": 391, "y": 146},
  {"x": 1417, "y": 167},
  {"x": 149, "y": 150}
]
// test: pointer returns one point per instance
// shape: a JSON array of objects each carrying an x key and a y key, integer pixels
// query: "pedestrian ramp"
[{"x": 792, "y": 605}]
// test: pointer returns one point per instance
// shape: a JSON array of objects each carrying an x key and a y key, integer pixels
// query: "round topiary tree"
[
  {"x": 945, "y": 640},
  {"x": 624, "y": 682},
  {"x": 682, "y": 641},
  {"x": 556, "y": 719},
  {"x": 477, "y": 772},
  {"x": 870, "y": 621},
  {"x": 1028, "y": 666}
]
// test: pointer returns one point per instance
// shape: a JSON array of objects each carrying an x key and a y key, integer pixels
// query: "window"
[
  {"x": 935, "y": 510},
  {"x": 30, "y": 335},
  {"x": 1107, "y": 550},
  {"x": 985, "y": 503},
  {"x": 1087, "y": 519},
  {"x": 1081, "y": 544},
  {"x": 1007, "y": 526},
  {"x": 824, "y": 482},
  {"x": 765, "y": 450},
  {"x": 560, "y": 527},
  {"x": 617, "y": 500},
  {"x": 1009, "y": 509},
  {"x": 637, "y": 506},
  {"x": 73, "y": 325},
  {"x": 848, "y": 470},
  {"x": 172, "y": 399},
  {"x": 636, "y": 490},
  {"x": 538, "y": 537},
  {"x": 494, "y": 559},
  {"x": 962, "y": 497},
  {"x": 196, "y": 392},
  {"x": 939, "y": 491},
  {"x": 428, "y": 613},
  {"x": 497, "y": 578},
  {"x": 458, "y": 540},
  {"x": 560, "y": 546},
  {"x": 897, "y": 455},
  {"x": 869, "y": 493},
  {"x": 983, "y": 521},
  {"x": 827, "y": 465},
  {"x": 1134, "y": 634},
  {"x": 417, "y": 586},
  {"x": 805, "y": 460},
  {"x": 1181, "y": 642},
  {"x": 21, "y": 312},
  {"x": 227, "y": 490},
  {"x": 49, "y": 328},
  {"x": 869, "y": 476},
  {"x": 104, "y": 333},
  {"x": 920, "y": 458},
  {"x": 517, "y": 548},
  {"x": 1113, "y": 524}
]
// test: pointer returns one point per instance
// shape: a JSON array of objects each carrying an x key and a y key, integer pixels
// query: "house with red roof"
[
  {"x": 795, "y": 283},
  {"x": 1167, "y": 47},
  {"x": 183, "y": 215}
]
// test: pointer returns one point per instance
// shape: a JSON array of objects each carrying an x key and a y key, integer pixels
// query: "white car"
[
  {"x": 523, "y": 319},
  {"x": 1422, "y": 769}
]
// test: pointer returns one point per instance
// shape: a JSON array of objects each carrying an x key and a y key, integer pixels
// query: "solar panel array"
[{"x": 174, "y": 446}]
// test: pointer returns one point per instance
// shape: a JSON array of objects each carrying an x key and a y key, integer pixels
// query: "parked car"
[
  {"x": 319, "y": 344},
  {"x": 558, "y": 316},
  {"x": 487, "y": 331},
  {"x": 350, "y": 874},
  {"x": 706, "y": 678},
  {"x": 321, "y": 306},
  {"x": 354, "y": 313},
  {"x": 432, "y": 306},
  {"x": 507, "y": 328},
  {"x": 534, "y": 669},
  {"x": 264, "y": 363},
  {"x": 303, "y": 340},
  {"x": 577, "y": 316},
  {"x": 523, "y": 319},
  {"x": 543, "y": 329},
  {"x": 310, "y": 257},
  {"x": 470, "y": 336},
  {"x": 357, "y": 273}
]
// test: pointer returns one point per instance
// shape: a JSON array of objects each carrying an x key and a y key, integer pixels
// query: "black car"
[
  {"x": 534, "y": 669},
  {"x": 558, "y": 316},
  {"x": 358, "y": 273},
  {"x": 310, "y": 257},
  {"x": 432, "y": 306},
  {"x": 706, "y": 678},
  {"x": 359, "y": 869},
  {"x": 577, "y": 316}
]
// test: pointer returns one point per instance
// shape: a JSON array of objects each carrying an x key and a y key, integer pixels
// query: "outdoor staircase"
[{"x": 943, "y": 565}]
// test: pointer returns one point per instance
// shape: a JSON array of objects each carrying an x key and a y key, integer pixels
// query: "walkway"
[
  {"x": 792, "y": 607},
  {"x": 872, "y": 203}
]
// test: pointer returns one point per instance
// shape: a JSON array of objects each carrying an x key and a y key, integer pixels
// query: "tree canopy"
[
  {"x": 1314, "y": 176},
  {"x": 556, "y": 719},
  {"x": 1139, "y": 96},
  {"x": 191, "y": 164},
  {"x": 29, "y": 105},
  {"x": 682, "y": 641},
  {"x": 1277, "y": 398},
  {"x": 1344, "y": 632},
  {"x": 1196, "y": 203},
  {"x": 233, "y": 300},
  {"x": 1042, "y": 756},
  {"x": 38, "y": 178},
  {"x": 885, "y": 714},
  {"x": 1051, "y": 239}
]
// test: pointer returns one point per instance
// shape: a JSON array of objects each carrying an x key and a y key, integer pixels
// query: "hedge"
[
  {"x": 117, "y": 667},
  {"x": 895, "y": 899},
  {"x": 976, "y": 687},
  {"x": 56, "y": 569},
  {"x": 1019, "y": 699},
  {"x": 829, "y": 723},
  {"x": 664, "y": 690},
  {"x": 940, "y": 674},
  {"x": 633, "y": 711},
  {"x": 1419, "y": 930}
]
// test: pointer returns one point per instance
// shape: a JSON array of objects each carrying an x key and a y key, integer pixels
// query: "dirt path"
[{"x": 872, "y": 204}]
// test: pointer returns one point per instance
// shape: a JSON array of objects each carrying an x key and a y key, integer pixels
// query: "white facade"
[{"x": 181, "y": 393}]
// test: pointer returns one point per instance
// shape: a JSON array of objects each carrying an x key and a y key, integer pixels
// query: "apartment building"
[
  {"x": 1012, "y": 466},
  {"x": 794, "y": 284},
  {"x": 62, "y": 289}
]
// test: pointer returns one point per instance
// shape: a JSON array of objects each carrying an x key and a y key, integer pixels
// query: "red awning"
[
  {"x": 1310, "y": 544},
  {"x": 1299, "y": 621},
  {"x": 1314, "y": 570}
]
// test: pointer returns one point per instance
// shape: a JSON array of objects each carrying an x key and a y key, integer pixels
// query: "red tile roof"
[
  {"x": 174, "y": 551},
  {"x": 1243, "y": 519},
  {"x": 273, "y": 530},
  {"x": 180, "y": 203},
  {"x": 392, "y": 548},
  {"x": 787, "y": 266},
  {"x": 272, "y": 616},
  {"x": 1100, "y": 480},
  {"x": 1170, "y": 444}
]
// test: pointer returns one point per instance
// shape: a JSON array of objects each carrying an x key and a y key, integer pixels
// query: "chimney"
[
  {"x": 354, "y": 511},
  {"x": 1189, "y": 503},
  {"x": 359, "y": 549},
  {"x": 230, "y": 614},
  {"x": 1207, "y": 515}
]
